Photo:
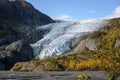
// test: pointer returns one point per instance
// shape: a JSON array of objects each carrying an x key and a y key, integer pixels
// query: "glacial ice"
[{"x": 59, "y": 39}]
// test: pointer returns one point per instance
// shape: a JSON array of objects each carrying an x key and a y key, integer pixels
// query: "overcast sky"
[{"x": 78, "y": 9}]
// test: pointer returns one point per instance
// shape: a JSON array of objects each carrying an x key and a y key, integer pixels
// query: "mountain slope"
[
  {"x": 22, "y": 13},
  {"x": 18, "y": 21},
  {"x": 15, "y": 16}
]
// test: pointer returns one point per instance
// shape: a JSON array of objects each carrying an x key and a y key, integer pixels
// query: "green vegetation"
[
  {"x": 97, "y": 34},
  {"x": 106, "y": 57}
]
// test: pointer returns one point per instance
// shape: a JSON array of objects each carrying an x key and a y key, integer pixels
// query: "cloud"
[
  {"x": 115, "y": 13},
  {"x": 63, "y": 17},
  {"x": 92, "y": 11}
]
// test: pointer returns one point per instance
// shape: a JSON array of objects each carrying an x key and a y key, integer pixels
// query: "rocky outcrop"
[
  {"x": 117, "y": 43},
  {"x": 18, "y": 51},
  {"x": 21, "y": 47},
  {"x": 34, "y": 66},
  {"x": 90, "y": 44},
  {"x": 78, "y": 40},
  {"x": 24, "y": 66}
]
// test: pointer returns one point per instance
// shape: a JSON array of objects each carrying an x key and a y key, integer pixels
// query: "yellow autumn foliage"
[{"x": 90, "y": 64}]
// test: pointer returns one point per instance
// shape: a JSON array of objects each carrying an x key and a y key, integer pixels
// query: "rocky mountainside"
[
  {"x": 15, "y": 13},
  {"x": 23, "y": 13},
  {"x": 98, "y": 51},
  {"x": 18, "y": 20}
]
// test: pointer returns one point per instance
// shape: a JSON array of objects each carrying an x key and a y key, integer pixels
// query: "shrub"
[{"x": 97, "y": 34}]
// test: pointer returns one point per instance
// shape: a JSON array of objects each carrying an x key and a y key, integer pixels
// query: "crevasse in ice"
[{"x": 61, "y": 35}]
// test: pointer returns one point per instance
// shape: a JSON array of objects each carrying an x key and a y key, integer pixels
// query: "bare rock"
[
  {"x": 21, "y": 47},
  {"x": 90, "y": 44},
  {"x": 117, "y": 43},
  {"x": 78, "y": 40},
  {"x": 18, "y": 51}
]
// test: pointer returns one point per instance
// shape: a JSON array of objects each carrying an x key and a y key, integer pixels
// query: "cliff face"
[{"x": 18, "y": 19}]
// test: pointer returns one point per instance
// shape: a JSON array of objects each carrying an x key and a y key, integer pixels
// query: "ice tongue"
[{"x": 61, "y": 35}]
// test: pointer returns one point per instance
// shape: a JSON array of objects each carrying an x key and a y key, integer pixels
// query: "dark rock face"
[
  {"x": 2, "y": 67},
  {"x": 18, "y": 18},
  {"x": 16, "y": 52},
  {"x": 27, "y": 33},
  {"x": 21, "y": 47},
  {"x": 23, "y": 13}
]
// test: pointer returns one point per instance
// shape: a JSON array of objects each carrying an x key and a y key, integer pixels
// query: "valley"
[{"x": 33, "y": 46}]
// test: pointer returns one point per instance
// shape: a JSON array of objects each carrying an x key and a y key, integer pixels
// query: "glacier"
[{"x": 58, "y": 40}]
